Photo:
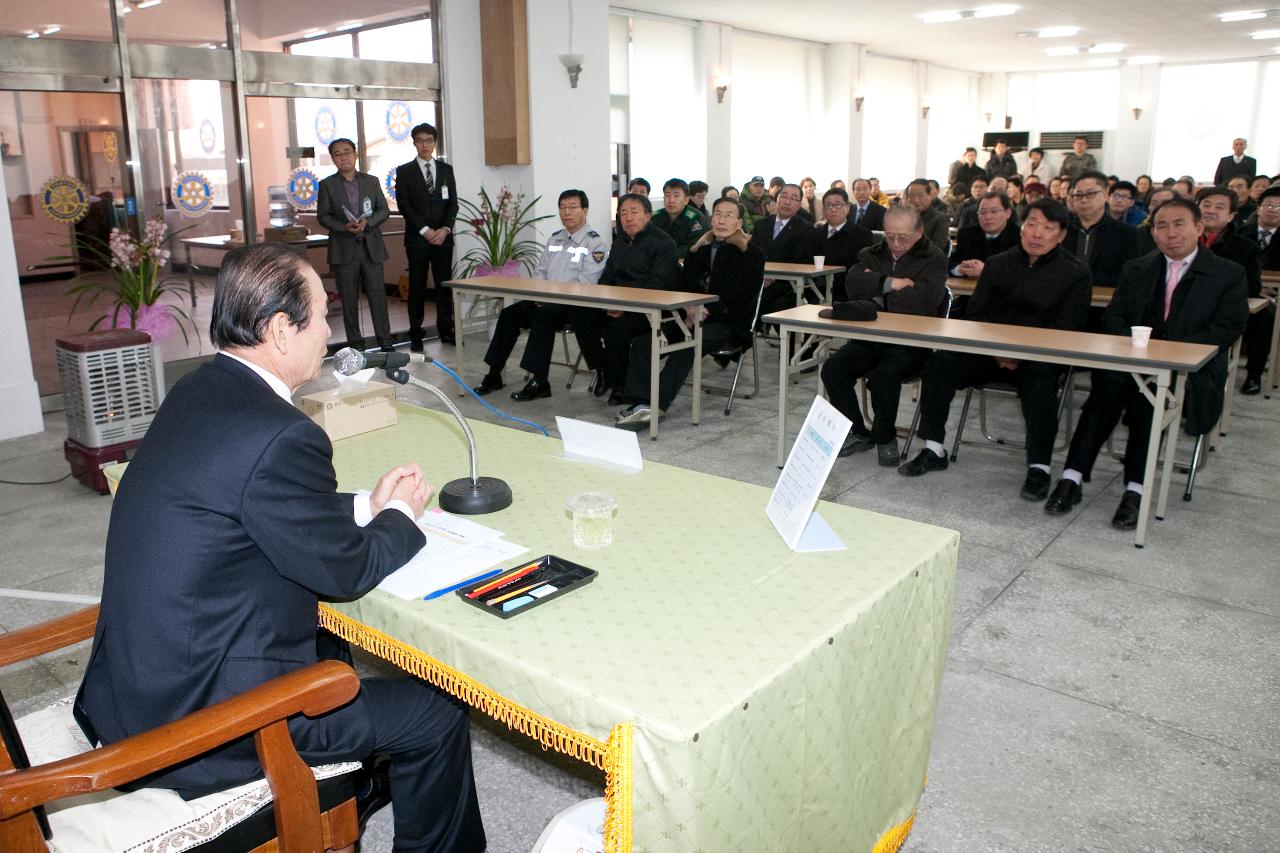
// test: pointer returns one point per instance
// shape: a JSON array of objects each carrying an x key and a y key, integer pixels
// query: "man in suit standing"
[
  {"x": 227, "y": 532},
  {"x": 1184, "y": 293},
  {"x": 865, "y": 212},
  {"x": 428, "y": 198},
  {"x": 352, "y": 207},
  {"x": 1235, "y": 164}
]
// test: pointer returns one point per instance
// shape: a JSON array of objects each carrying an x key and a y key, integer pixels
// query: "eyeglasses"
[
  {"x": 890, "y": 237},
  {"x": 1269, "y": 207},
  {"x": 832, "y": 205},
  {"x": 335, "y": 155},
  {"x": 1081, "y": 195},
  {"x": 788, "y": 196}
]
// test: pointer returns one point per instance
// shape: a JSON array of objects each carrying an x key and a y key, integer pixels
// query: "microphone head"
[{"x": 348, "y": 361}]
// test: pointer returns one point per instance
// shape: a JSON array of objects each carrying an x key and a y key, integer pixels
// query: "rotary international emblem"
[
  {"x": 193, "y": 194},
  {"x": 208, "y": 136},
  {"x": 399, "y": 120},
  {"x": 64, "y": 199},
  {"x": 326, "y": 125},
  {"x": 390, "y": 183},
  {"x": 303, "y": 188}
]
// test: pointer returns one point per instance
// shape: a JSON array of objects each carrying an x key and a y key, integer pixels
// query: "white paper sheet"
[
  {"x": 606, "y": 446},
  {"x": 442, "y": 564},
  {"x": 808, "y": 465}
]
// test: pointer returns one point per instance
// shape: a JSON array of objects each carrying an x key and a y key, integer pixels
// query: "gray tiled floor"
[{"x": 1098, "y": 697}]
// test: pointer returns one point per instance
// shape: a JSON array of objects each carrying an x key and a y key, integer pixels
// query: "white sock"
[
  {"x": 1133, "y": 487},
  {"x": 1073, "y": 475},
  {"x": 1044, "y": 468},
  {"x": 936, "y": 449}
]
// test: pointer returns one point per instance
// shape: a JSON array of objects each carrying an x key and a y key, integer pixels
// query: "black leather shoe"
[
  {"x": 491, "y": 382},
  {"x": 415, "y": 345},
  {"x": 617, "y": 398},
  {"x": 599, "y": 385},
  {"x": 1126, "y": 517},
  {"x": 1036, "y": 486},
  {"x": 855, "y": 444},
  {"x": 373, "y": 790},
  {"x": 448, "y": 340},
  {"x": 534, "y": 389},
  {"x": 1252, "y": 385},
  {"x": 926, "y": 460},
  {"x": 887, "y": 453},
  {"x": 1065, "y": 496}
]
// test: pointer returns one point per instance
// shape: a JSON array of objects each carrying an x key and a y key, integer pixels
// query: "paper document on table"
[
  {"x": 444, "y": 563},
  {"x": 456, "y": 527},
  {"x": 600, "y": 445},
  {"x": 791, "y": 505}
]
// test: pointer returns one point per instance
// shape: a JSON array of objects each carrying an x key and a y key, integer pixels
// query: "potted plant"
[
  {"x": 129, "y": 277},
  {"x": 497, "y": 225}
]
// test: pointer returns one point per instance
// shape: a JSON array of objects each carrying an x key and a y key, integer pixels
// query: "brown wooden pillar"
[{"x": 504, "y": 54}]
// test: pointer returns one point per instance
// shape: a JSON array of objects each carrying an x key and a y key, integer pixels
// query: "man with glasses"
[
  {"x": 575, "y": 253},
  {"x": 1037, "y": 284},
  {"x": 837, "y": 238},
  {"x": 679, "y": 219},
  {"x": 904, "y": 274},
  {"x": 1222, "y": 237},
  {"x": 1095, "y": 238},
  {"x": 784, "y": 238},
  {"x": 1122, "y": 204},
  {"x": 995, "y": 232},
  {"x": 935, "y": 225},
  {"x": 428, "y": 198},
  {"x": 352, "y": 207}
]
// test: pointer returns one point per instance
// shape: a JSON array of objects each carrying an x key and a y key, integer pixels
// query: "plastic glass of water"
[{"x": 592, "y": 519}]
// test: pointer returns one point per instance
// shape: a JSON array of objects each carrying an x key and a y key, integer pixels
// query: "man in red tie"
[{"x": 1184, "y": 293}]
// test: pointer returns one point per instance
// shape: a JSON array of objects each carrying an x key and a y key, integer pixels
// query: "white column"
[
  {"x": 922, "y": 122},
  {"x": 715, "y": 61},
  {"x": 19, "y": 396},
  {"x": 1129, "y": 147},
  {"x": 993, "y": 101},
  {"x": 843, "y": 68}
]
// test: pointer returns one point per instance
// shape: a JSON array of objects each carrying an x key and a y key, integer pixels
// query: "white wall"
[{"x": 19, "y": 396}]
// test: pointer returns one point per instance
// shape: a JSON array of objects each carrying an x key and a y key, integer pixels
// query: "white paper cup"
[
  {"x": 1141, "y": 335},
  {"x": 819, "y": 260}
]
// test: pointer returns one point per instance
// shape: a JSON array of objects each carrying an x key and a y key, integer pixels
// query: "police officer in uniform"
[
  {"x": 679, "y": 219},
  {"x": 575, "y": 253}
]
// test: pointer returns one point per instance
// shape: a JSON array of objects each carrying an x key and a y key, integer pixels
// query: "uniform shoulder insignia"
[
  {"x": 593, "y": 234},
  {"x": 695, "y": 227},
  {"x": 690, "y": 213},
  {"x": 597, "y": 255},
  {"x": 562, "y": 232}
]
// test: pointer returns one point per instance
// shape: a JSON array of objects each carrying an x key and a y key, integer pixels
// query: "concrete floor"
[{"x": 1097, "y": 697}]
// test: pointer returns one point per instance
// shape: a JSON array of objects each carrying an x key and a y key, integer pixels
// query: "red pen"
[{"x": 513, "y": 575}]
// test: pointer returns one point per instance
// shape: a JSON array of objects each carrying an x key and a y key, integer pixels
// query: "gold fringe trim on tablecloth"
[{"x": 613, "y": 757}]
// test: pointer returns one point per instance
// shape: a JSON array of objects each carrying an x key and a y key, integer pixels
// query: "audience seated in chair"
[
  {"x": 995, "y": 232},
  {"x": 1095, "y": 238},
  {"x": 864, "y": 211},
  {"x": 1223, "y": 237},
  {"x": 679, "y": 219},
  {"x": 968, "y": 213},
  {"x": 936, "y": 228}
]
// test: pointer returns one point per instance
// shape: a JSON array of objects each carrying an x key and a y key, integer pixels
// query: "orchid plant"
[
  {"x": 130, "y": 278},
  {"x": 497, "y": 224}
]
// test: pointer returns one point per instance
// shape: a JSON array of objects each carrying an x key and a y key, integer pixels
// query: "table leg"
[
  {"x": 1232, "y": 370},
  {"x": 655, "y": 329},
  {"x": 1153, "y": 454},
  {"x": 697, "y": 364},
  {"x": 1273, "y": 375},
  {"x": 191, "y": 280},
  {"x": 457, "y": 332},
  {"x": 783, "y": 377},
  {"x": 1171, "y": 447}
]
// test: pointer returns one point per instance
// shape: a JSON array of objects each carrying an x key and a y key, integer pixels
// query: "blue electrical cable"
[{"x": 470, "y": 391}]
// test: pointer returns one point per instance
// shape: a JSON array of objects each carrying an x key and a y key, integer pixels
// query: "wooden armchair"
[{"x": 299, "y": 823}]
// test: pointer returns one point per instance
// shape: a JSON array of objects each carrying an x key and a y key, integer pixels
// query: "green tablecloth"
[{"x": 779, "y": 701}]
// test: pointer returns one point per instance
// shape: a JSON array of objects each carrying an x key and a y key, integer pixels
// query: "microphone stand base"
[{"x": 488, "y": 494}]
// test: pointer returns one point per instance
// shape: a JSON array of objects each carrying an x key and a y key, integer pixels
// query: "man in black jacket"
[
  {"x": 641, "y": 256},
  {"x": 936, "y": 228},
  {"x": 864, "y": 211},
  {"x": 1001, "y": 164},
  {"x": 837, "y": 240},
  {"x": 428, "y": 200},
  {"x": 722, "y": 262},
  {"x": 967, "y": 213},
  {"x": 1036, "y": 284},
  {"x": 994, "y": 233},
  {"x": 1100, "y": 241},
  {"x": 784, "y": 238},
  {"x": 1235, "y": 164},
  {"x": 1184, "y": 293},
  {"x": 1222, "y": 236},
  {"x": 966, "y": 169},
  {"x": 905, "y": 274}
]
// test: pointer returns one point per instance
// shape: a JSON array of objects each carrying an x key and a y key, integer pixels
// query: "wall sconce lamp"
[
  {"x": 572, "y": 63},
  {"x": 988, "y": 115},
  {"x": 857, "y": 104},
  {"x": 1137, "y": 113},
  {"x": 924, "y": 111},
  {"x": 721, "y": 86}
]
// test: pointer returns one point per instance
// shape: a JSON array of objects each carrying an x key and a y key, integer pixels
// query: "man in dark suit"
[
  {"x": 1038, "y": 284},
  {"x": 428, "y": 198},
  {"x": 782, "y": 235},
  {"x": 1264, "y": 228},
  {"x": 227, "y": 532},
  {"x": 994, "y": 233},
  {"x": 353, "y": 208},
  {"x": 1224, "y": 238},
  {"x": 937, "y": 230},
  {"x": 864, "y": 211},
  {"x": 1184, "y": 293},
  {"x": 1236, "y": 164},
  {"x": 837, "y": 239},
  {"x": 1100, "y": 241}
]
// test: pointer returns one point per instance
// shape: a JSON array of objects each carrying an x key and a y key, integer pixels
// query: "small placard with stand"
[{"x": 791, "y": 507}]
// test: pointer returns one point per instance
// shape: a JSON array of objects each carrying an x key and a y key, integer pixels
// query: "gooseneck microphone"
[{"x": 474, "y": 495}]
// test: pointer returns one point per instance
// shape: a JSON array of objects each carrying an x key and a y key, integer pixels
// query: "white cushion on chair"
[{"x": 151, "y": 820}]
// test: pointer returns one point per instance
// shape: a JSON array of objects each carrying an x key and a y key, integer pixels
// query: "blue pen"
[{"x": 457, "y": 586}]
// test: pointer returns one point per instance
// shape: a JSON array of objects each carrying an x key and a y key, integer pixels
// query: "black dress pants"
[
  {"x": 350, "y": 279},
  {"x": 1037, "y": 383},
  {"x": 427, "y": 738},
  {"x": 606, "y": 341},
  {"x": 1114, "y": 395},
  {"x": 439, "y": 260},
  {"x": 885, "y": 366},
  {"x": 1257, "y": 340},
  {"x": 544, "y": 322},
  {"x": 715, "y": 336}
]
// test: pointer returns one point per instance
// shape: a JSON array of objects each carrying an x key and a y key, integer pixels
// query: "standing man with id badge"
[
  {"x": 351, "y": 206},
  {"x": 428, "y": 199}
]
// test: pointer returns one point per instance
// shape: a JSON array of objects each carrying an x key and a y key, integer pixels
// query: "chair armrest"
[
  {"x": 27, "y": 643},
  {"x": 312, "y": 690}
]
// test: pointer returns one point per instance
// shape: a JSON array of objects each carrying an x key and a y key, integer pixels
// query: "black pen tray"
[{"x": 553, "y": 571}]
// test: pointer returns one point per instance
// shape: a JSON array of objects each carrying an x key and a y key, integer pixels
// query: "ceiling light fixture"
[
  {"x": 351, "y": 26},
  {"x": 52, "y": 29},
  {"x": 1057, "y": 32},
  {"x": 1233, "y": 17},
  {"x": 1062, "y": 51},
  {"x": 33, "y": 35},
  {"x": 1266, "y": 34},
  {"x": 315, "y": 34},
  {"x": 1106, "y": 47},
  {"x": 940, "y": 17},
  {"x": 147, "y": 4},
  {"x": 996, "y": 11}
]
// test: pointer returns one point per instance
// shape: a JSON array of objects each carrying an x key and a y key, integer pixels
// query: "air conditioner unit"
[{"x": 112, "y": 386}]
